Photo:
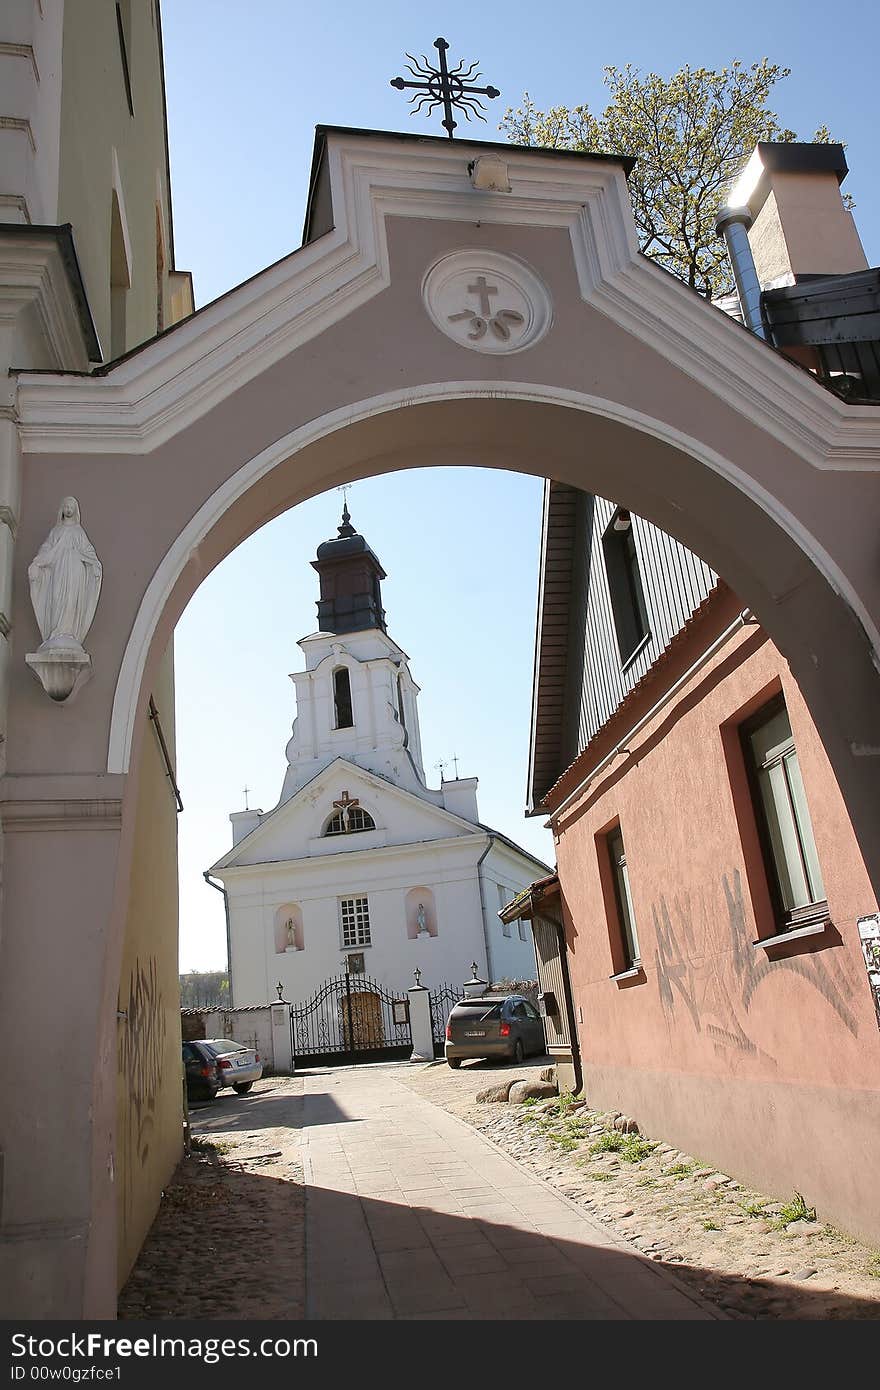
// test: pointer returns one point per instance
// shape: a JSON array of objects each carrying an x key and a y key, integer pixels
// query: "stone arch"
[
  {"x": 197, "y": 534},
  {"x": 416, "y": 898},
  {"x": 323, "y": 369}
]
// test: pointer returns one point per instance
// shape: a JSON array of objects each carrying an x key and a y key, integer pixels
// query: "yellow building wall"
[
  {"x": 149, "y": 1127},
  {"x": 95, "y": 123}
]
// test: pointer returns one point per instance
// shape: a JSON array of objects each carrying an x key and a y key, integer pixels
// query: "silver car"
[{"x": 237, "y": 1066}]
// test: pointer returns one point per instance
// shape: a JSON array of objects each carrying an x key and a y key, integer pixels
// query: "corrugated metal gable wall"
[{"x": 675, "y": 583}]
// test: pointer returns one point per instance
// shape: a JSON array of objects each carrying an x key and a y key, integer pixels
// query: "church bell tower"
[
  {"x": 351, "y": 582},
  {"x": 356, "y": 698}
]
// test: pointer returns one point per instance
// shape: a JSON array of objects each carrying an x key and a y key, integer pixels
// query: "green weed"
[
  {"x": 679, "y": 1170},
  {"x": 711, "y": 1226},
  {"x": 634, "y": 1148},
  {"x": 752, "y": 1208},
  {"x": 607, "y": 1143},
  {"x": 200, "y": 1144},
  {"x": 794, "y": 1210}
]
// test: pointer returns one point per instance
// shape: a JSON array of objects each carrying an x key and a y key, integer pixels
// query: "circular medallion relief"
[{"x": 486, "y": 301}]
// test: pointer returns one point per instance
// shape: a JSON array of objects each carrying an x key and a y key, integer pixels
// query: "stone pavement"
[{"x": 411, "y": 1214}]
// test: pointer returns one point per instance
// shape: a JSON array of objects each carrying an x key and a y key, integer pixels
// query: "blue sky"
[{"x": 246, "y": 86}]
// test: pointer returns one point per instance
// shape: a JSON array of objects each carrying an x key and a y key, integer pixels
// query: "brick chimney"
[{"x": 800, "y": 226}]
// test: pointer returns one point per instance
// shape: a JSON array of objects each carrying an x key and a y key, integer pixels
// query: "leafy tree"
[
  {"x": 204, "y": 989},
  {"x": 691, "y": 135}
]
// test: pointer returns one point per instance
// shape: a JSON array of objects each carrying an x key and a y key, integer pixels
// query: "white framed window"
[
  {"x": 626, "y": 918},
  {"x": 784, "y": 824},
  {"x": 342, "y": 705},
  {"x": 504, "y": 898},
  {"x": 522, "y": 930},
  {"x": 355, "y": 919}
]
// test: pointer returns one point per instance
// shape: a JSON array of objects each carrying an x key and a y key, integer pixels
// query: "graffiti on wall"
[
  {"x": 142, "y": 1037},
  {"x": 715, "y": 984}
]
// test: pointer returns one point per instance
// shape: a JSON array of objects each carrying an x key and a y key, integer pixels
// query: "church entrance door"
[{"x": 350, "y": 1019}]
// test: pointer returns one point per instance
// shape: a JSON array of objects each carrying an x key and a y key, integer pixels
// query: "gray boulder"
[
  {"x": 529, "y": 1090},
  {"x": 495, "y": 1093}
]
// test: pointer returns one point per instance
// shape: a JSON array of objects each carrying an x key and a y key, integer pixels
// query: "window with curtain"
[
  {"x": 784, "y": 824},
  {"x": 626, "y": 918}
]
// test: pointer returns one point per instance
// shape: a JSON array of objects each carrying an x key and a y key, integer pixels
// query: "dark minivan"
[{"x": 505, "y": 1026}]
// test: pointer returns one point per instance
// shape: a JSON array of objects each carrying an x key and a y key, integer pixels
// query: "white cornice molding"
[
  {"x": 33, "y": 276},
  {"x": 322, "y": 863},
  {"x": 171, "y": 382}
]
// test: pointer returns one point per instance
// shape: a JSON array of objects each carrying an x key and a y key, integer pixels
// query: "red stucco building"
[{"x": 717, "y": 916}]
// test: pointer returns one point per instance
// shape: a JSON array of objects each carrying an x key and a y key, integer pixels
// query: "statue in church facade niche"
[
  {"x": 422, "y": 920},
  {"x": 65, "y": 583}
]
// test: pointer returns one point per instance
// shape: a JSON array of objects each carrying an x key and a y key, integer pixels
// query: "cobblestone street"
[{"x": 385, "y": 1192}]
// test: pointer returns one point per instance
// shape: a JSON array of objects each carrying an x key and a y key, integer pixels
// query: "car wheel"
[
  {"x": 454, "y": 1062},
  {"x": 518, "y": 1051},
  {"x": 242, "y": 1087}
]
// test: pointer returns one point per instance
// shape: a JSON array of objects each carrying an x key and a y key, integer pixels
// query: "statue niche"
[{"x": 421, "y": 914}]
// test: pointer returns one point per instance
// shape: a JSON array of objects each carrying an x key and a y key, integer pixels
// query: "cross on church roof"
[{"x": 445, "y": 88}]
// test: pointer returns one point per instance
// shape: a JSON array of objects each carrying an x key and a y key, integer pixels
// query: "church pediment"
[{"x": 374, "y": 814}]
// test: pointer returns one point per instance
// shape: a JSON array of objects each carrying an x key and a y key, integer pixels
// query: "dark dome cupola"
[{"x": 351, "y": 588}]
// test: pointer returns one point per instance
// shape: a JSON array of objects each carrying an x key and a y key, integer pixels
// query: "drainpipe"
[
  {"x": 489, "y": 971},
  {"x": 569, "y": 1009},
  {"x": 206, "y": 875},
  {"x": 733, "y": 225}
]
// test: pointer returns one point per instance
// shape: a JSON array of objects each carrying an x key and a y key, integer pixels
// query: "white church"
[{"x": 362, "y": 867}]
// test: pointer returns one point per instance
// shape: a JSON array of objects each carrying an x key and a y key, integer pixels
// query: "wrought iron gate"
[
  {"x": 441, "y": 1001},
  {"x": 350, "y": 1019}
]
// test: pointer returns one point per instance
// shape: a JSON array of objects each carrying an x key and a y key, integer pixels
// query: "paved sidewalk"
[{"x": 411, "y": 1214}]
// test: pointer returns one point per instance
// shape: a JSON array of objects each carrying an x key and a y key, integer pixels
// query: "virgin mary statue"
[{"x": 65, "y": 580}]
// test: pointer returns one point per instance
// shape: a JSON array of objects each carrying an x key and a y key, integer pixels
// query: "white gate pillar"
[
  {"x": 420, "y": 1024},
  {"x": 282, "y": 1051}
]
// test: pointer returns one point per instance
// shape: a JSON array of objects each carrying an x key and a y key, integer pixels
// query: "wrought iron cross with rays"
[{"x": 445, "y": 88}]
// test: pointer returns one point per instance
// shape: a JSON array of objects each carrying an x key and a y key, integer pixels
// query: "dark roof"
[
  {"x": 803, "y": 157},
  {"x": 524, "y": 904},
  {"x": 560, "y": 528},
  {"x": 826, "y": 309}
]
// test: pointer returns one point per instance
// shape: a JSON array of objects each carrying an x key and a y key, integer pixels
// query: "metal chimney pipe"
[{"x": 733, "y": 225}]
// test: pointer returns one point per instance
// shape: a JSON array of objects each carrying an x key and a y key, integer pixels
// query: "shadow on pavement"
[{"x": 370, "y": 1258}]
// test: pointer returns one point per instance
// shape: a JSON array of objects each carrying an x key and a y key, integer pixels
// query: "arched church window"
[
  {"x": 356, "y": 819},
  {"x": 342, "y": 698}
]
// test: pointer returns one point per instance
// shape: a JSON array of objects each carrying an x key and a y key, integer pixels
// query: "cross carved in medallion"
[{"x": 500, "y": 323}]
